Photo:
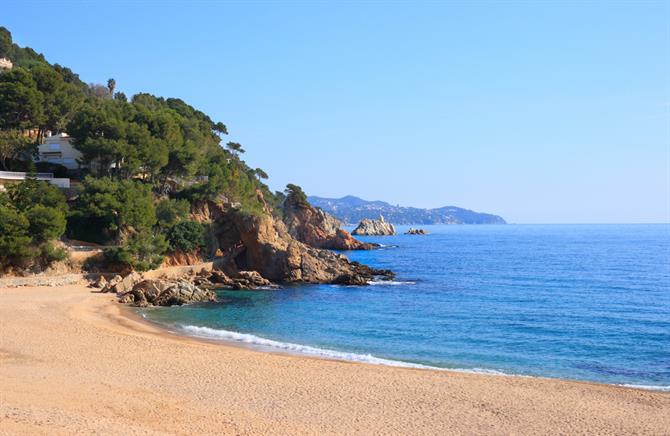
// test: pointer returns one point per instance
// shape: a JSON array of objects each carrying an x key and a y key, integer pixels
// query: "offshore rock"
[
  {"x": 413, "y": 231},
  {"x": 369, "y": 227},
  {"x": 317, "y": 228}
]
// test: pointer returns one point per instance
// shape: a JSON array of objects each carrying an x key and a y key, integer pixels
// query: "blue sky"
[{"x": 541, "y": 112}]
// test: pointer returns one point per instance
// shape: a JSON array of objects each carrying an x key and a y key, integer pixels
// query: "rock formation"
[
  {"x": 165, "y": 293},
  {"x": 317, "y": 228},
  {"x": 413, "y": 231},
  {"x": 262, "y": 243},
  {"x": 135, "y": 289},
  {"x": 369, "y": 227}
]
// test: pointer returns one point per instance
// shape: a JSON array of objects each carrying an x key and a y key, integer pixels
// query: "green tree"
[
  {"x": 186, "y": 236},
  {"x": 45, "y": 223},
  {"x": 296, "y": 195},
  {"x": 60, "y": 99},
  {"x": 31, "y": 192},
  {"x": 141, "y": 252},
  {"x": 111, "y": 84},
  {"x": 260, "y": 173},
  {"x": 6, "y": 45},
  {"x": 170, "y": 211},
  {"x": 21, "y": 103},
  {"x": 15, "y": 146},
  {"x": 235, "y": 148},
  {"x": 113, "y": 208},
  {"x": 14, "y": 239}
]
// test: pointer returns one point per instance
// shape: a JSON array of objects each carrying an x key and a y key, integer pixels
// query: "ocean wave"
[
  {"x": 390, "y": 282},
  {"x": 648, "y": 387},
  {"x": 253, "y": 340},
  {"x": 249, "y": 339},
  {"x": 269, "y": 344}
]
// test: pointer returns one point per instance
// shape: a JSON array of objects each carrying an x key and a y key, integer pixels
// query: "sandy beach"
[{"x": 74, "y": 362}]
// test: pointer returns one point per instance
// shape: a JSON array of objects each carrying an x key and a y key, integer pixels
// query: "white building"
[
  {"x": 5, "y": 64},
  {"x": 7, "y": 177},
  {"x": 58, "y": 149}
]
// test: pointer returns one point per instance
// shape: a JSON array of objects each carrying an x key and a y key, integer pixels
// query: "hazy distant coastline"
[{"x": 351, "y": 210}]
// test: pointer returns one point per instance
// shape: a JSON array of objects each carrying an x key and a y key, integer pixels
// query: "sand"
[{"x": 74, "y": 362}]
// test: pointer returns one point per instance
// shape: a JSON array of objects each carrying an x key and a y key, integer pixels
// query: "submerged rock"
[{"x": 370, "y": 227}]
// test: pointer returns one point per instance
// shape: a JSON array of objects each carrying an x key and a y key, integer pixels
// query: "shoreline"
[
  {"x": 75, "y": 361},
  {"x": 375, "y": 360}
]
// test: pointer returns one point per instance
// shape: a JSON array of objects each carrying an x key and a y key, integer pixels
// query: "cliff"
[
  {"x": 262, "y": 243},
  {"x": 317, "y": 228}
]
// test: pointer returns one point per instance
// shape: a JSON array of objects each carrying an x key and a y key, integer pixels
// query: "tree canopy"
[{"x": 145, "y": 161}]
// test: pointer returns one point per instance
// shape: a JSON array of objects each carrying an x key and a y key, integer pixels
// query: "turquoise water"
[{"x": 588, "y": 302}]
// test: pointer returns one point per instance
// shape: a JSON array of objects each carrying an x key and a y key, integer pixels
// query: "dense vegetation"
[
  {"x": 145, "y": 161},
  {"x": 32, "y": 215}
]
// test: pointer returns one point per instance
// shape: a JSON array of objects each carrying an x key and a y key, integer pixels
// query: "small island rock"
[
  {"x": 413, "y": 231},
  {"x": 369, "y": 227}
]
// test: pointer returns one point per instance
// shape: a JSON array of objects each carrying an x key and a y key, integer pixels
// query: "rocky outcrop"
[
  {"x": 165, "y": 293},
  {"x": 119, "y": 284},
  {"x": 262, "y": 243},
  {"x": 270, "y": 250},
  {"x": 413, "y": 231},
  {"x": 317, "y": 228},
  {"x": 369, "y": 227}
]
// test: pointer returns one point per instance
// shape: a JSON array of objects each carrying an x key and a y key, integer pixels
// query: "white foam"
[
  {"x": 248, "y": 339},
  {"x": 269, "y": 344},
  {"x": 390, "y": 282},
  {"x": 648, "y": 387}
]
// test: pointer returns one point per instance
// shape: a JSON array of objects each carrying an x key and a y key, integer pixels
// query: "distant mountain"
[{"x": 352, "y": 210}]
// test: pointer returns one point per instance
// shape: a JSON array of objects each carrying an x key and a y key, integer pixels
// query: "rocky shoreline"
[
  {"x": 249, "y": 251},
  {"x": 139, "y": 290}
]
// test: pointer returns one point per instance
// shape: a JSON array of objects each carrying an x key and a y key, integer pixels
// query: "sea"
[{"x": 583, "y": 302}]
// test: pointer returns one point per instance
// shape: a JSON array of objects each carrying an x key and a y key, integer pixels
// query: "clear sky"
[{"x": 541, "y": 112}]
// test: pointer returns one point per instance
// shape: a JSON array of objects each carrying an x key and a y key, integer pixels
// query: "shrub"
[
  {"x": 186, "y": 236},
  {"x": 50, "y": 253},
  {"x": 142, "y": 251}
]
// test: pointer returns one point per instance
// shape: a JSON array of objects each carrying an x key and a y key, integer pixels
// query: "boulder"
[
  {"x": 165, "y": 293},
  {"x": 254, "y": 278},
  {"x": 109, "y": 287},
  {"x": 370, "y": 227},
  {"x": 120, "y": 285},
  {"x": 100, "y": 283}
]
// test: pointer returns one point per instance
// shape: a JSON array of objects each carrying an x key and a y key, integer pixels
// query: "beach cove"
[{"x": 74, "y": 361}]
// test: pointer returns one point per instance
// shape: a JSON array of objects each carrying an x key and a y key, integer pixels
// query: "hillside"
[{"x": 352, "y": 209}]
